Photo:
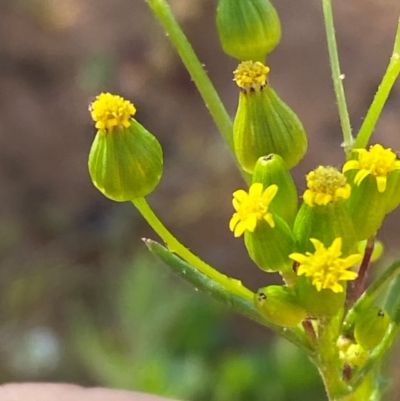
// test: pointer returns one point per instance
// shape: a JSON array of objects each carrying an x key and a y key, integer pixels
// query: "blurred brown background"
[{"x": 62, "y": 244}]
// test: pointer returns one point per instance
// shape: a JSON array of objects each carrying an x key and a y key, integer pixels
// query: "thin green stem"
[
  {"x": 388, "y": 80},
  {"x": 199, "y": 76},
  {"x": 328, "y": 356},
  {"x": 337, "y": 76},
  {"x": 239, "y": 303},
  {"x": 175, "y": 246}
]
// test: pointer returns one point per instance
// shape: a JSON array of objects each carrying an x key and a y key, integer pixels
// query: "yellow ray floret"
[
  {"x": 109, "y": 111},
  {"x": 251, "y": 75},
  {"x": 325, "y": 266},
  {"x": 325, "y": 185},
  {"x": 377, "y": 162},
  {"x": 251, "y": 208}
]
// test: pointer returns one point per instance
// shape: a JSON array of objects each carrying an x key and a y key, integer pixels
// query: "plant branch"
[
  {"x": 232, "y": 285},
  {"x": 241, "y": 304}
]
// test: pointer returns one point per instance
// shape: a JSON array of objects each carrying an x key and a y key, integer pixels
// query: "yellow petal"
[
  {"x": 269, "y": 219},
  {"x": 381, "y": 183},
  {"x": 351, "y": 165},
  {"x": 269, "y": 194},
  {"x": 256, "y": 190},
  {"x": 360, "y": 176}
]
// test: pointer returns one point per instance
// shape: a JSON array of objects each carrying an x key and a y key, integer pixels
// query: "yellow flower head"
[
  {"x": 325, "y": 185},
  {"x": 109, "y": 111},
  {"x": 377, "y": 162},
  {"x": 251, "y": 76},
  {"x": 325, "y": 266},
  {"x": 251, "y": 208}
]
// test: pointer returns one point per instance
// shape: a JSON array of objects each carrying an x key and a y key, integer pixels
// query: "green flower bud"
[
  {"x": 269, "y": 247},
  {"x": 393, "y": 191},
  {"x": 370, "y": 327},
  {"x": 355, "y": 355},
  {"x": 367, "y": 207},
  {"x": 263, "y": 123},
  {"x": 279, "y": 305},
  {"x": 374, "y": 190},
  {"x": 268, "y": 238},
  {"x": 323, "y": 303},
  {"x": 248, "y": 30},
  {"x": 125, "y": 161},
  {"x": 270, "y": 170},
  {"x": 376, "y": 253},
  {"x": 324, "y": 215}
]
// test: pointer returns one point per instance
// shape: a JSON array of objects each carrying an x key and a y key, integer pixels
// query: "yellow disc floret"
[
  {"x": 377, "y": 162},
  {"x": 325, "y": 266},
  {"x": 251, "y": 208},
  {"x": 325, "y": 185},
  {"x": 251, "y": 76},
  {"x": 109, "y": 111}
]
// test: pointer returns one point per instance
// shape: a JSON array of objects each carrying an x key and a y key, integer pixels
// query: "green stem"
[
  {"x": 199, "y": 76},
  {"x": 388, "y": 80},
  {"x": 328, "y": 357},
  {"x": 337, "y": 76},
  {"x": 175, "y": 246},
  {"x": 242, "y": 305}
]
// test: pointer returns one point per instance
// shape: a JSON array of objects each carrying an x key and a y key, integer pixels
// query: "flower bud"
[
  {"x": 324, "y": 215},
  {"x": 269, "y": 247},
  {"x": 374, "y": 190},
  {"x": 377, "y": 251},
  {"x": 367, "y": 207},
  {"x": 322, "y": 303},
  {"x": 248, "y": 30},
  {"x": 279, "y": 305},
  {"x": 263, "y": 123},
  {"x": 393, "y": 191},
  {"x": 355, "y": 355},
  {"x": 370, "y": 327},
  {"x": 321, "y": 288},
  {"x": 270, "y": 170},
  {"x": 125, "y": 161}
]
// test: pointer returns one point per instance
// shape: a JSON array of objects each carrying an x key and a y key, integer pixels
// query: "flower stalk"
[
  {"x": 162, "y": 11},
  {"x": 337, "y": 76}
]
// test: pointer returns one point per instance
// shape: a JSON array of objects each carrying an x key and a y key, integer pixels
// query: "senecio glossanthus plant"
[{"x": 323, "y": 248}]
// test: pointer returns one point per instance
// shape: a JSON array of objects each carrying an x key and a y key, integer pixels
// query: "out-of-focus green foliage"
[{"x": 177, "y": 343}]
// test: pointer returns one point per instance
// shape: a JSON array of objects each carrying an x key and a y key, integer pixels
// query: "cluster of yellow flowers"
[{"x": 325, "y": 186}]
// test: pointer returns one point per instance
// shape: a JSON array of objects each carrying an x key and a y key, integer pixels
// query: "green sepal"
[
  {"x": 248, "y": 30},
  {"x": 324, "y": 303},
  {"x": 377, "y": 251},
  {"x": 125, "y": 163},
  {"x": 264, "y": 124},
  {"x": 270, "y": 170},
  {"x": 279, "y": 305},
  {"x": 371, "y": 326},
  {"x": 270, "y": 247},
  {"x": 324, "y": 223},
  {"x": 367, "y": 207},
  {"x": 392, "y": 192}
]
